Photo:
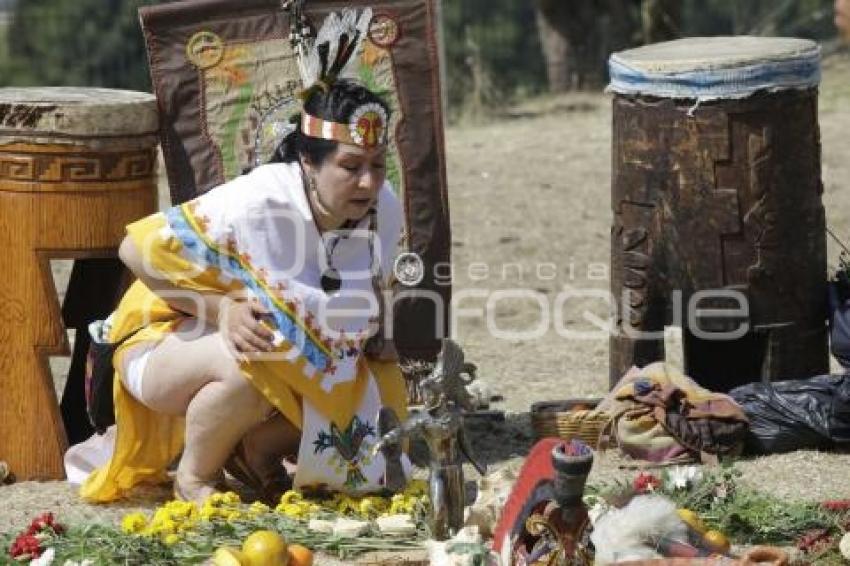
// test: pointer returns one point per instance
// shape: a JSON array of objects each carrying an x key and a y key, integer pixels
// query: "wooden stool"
[
  {"x": 716, "y": 187},
  {"x": 76, "y": 166}
]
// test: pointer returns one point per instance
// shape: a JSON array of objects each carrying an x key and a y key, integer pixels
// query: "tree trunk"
[
  {"x": 556, "y": 50},
  {"x": 662, "y": 20}
]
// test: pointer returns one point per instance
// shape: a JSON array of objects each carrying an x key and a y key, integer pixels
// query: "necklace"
[{"x": 331, "y": 282}]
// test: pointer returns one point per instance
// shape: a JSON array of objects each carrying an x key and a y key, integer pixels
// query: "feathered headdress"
[{"x": 330, "y": 56}]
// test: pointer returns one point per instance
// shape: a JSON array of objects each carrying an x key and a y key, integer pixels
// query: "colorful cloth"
[
  {"x": 664, "y": 416},
  {"x": 256, "y": 234}
]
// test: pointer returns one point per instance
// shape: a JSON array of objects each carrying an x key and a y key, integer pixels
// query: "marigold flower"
[
  {"x": 258, "y": 508},
  {"x": 133, "y": 523},
  {"x": 291, "y": 496},
  {"x": 231, "y": 498},
  {"x": 291, "y": 509}
]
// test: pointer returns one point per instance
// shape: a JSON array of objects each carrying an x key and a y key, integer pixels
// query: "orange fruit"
[
  {"x": 300, "y": 555},
  {"x": 265, "y": 548},
  {"x": 717, "y": 541}
]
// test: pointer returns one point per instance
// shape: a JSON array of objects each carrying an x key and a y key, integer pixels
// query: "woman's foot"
[{"x": 188, "y": 488}]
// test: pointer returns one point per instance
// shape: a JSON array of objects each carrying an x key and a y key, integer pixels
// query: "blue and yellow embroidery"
[{"x": 188, "y": 230}]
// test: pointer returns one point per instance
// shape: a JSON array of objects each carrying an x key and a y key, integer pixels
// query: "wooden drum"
[
  {"x": 716, "y": 186},
  {"x": 76, "y": 166}
]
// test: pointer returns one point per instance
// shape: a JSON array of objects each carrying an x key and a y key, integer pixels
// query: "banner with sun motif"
[{"x": 226, "y": 79}]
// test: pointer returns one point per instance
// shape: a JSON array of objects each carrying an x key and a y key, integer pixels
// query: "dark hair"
[{"x": 337, "y": 105}]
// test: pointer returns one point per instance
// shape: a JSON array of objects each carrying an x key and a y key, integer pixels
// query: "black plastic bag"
[
  {"x": 793, "y": 415},
  {"x": 839, "y": 318}
]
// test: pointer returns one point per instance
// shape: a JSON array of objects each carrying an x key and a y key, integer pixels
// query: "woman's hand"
[{"x": 239, "y": 324}]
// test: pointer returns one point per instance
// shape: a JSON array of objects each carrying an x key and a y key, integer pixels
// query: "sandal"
[{"x": 269, "y": 490}]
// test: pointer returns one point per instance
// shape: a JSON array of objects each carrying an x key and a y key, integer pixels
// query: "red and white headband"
[{"x": 367, "y": 127}]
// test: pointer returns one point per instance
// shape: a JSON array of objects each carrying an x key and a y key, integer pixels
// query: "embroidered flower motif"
[{"x": 203, "y": 223}]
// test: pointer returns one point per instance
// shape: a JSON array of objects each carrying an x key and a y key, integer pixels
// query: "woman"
[{"x": 254, "y": 303}]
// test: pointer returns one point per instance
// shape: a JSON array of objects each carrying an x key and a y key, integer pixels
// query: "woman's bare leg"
[
  {"x": 266, "y": 445},
  {"x": 197, "y": 376}
]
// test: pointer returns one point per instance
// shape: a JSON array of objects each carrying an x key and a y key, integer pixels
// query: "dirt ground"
[{"x": 530, "y": 210}]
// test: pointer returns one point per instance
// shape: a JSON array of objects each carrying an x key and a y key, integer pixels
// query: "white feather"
[
  {"x": 627, "y": 533},
  {"x": 333, "y": 28},
  {"x": 349, "y": 70}
]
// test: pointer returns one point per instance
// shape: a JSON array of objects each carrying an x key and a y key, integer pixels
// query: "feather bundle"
[
  {"x": 332, "y": 54},
  {"x": 630, "y": 533}
]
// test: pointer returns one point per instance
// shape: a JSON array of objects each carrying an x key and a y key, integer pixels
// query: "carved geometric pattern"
[
  {"x": 80, "y": 168},
  {"x": 17, "y": 167},
  {"x": 729, "y": 198}
]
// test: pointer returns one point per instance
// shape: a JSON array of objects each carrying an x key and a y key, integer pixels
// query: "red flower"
[
  {"x": 45, "y": 521},
  {"x": 646, "y": 482},
  {"x": 25, "y": 545},
  {"x": 836, "y": 505},
  {"x": 28, "y": 544},
  {"x": 813, "y": 539}
]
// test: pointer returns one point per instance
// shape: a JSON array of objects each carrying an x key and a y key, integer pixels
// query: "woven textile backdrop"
[{"x": 223, "y": 71}]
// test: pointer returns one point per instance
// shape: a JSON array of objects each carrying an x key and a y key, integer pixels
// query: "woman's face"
[{"x": 349, "y": 179}]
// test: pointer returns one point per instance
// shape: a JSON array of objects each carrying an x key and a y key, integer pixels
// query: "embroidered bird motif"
[{"x": 348, "y": 444}]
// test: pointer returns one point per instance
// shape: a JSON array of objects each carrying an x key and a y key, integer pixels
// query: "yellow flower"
[
  {"x": 371, "y": 506},
  {"x": 258, "y": 508},
  {"x": 291, "y": 496},
  {"x": 231, "y": 498},
  {"x": 171, "y": 539},
  {"x": 214, "y": 500},
  {"x": 346, "y": 505},
  {"x": 291, "y": 509},
  {"x": 134, "y": 523},
  {"x": 164, "y": 526},
  {"x": 416, "y": 488},
  {"x": 181, "y": 509}
]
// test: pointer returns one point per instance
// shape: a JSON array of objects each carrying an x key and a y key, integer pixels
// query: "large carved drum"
[
  {"x": 716, "y": 194},
  {"x": 76, "y": 166}
]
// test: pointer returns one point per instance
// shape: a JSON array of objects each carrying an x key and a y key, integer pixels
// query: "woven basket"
[{"x": 561, "y": 419}]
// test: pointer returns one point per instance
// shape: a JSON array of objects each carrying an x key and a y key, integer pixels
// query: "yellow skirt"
[{"x": 147, "y": 442}]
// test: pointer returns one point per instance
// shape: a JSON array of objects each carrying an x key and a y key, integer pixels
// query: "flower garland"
[
  {"x": 410, "y": 501},
  {"x": 175, "y": 519},
  {"x": 183, "y": 532}
]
